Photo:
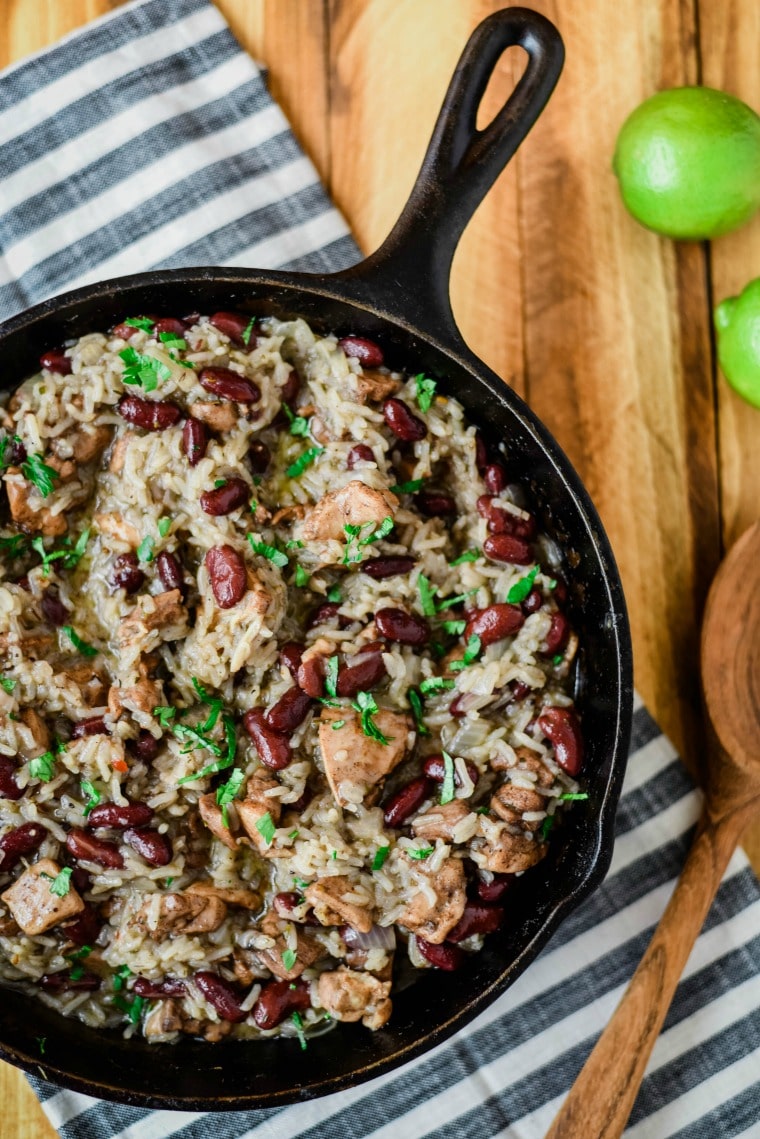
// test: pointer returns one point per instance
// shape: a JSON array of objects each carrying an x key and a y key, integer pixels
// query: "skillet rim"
[{"x": 345, "y": 290}]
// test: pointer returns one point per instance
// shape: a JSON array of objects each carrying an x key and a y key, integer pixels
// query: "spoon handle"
[{"x": 603, "y": 1095}]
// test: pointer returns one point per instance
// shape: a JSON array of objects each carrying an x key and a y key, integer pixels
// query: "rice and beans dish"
[{"x": 285, "y": 681}]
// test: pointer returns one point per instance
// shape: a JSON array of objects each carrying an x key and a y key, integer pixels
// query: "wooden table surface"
[{"x": 602, "y": 326}]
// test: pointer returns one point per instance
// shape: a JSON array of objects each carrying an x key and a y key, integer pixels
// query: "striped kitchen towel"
[{"x": 149, "y": 139}]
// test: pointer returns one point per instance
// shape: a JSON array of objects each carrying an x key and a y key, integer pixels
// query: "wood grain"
[{"x": 605, "y": 326}]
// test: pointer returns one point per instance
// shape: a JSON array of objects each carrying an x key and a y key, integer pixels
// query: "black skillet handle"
[{"x": 409, "y": 274}]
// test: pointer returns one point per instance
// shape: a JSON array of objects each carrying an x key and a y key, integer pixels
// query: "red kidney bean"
[
  {"x": 290, "y": 655},
  {"x": 366, "y": 670},
  {"x": 56, "y": 360},
  {"x": 194, "y": 440},
  {"x": 494, "y": 890},
  {"x": 289, "y": 711},
  {"x": 53, "y": 609},
  {"x": 16, "y": 844},
  {"x": 560, "y": 592},
  {"x": 224, "y": 499},
  {"x": 406, "y": 801},
  {"x": 120, "y": 815},
  {"x": 446, "y": 957},
  {"x": 303, "y": 800},
  {"x": 18, "y": 453},
  {"x": 476, "y": 918},
  {"x": 221, "y": 995},
  {"x": 126, "y": 573},
  {"x": 366, "y": 351},
  {"x": 402, "y": 627},
  {"x": 9, "y": 788},
  {"x": 170, "y": 572},
  {"x": 559, "y": 632},
  {"x": 392, "y": 566},
  {"x": 279, "y": 999},
  {"x": 560, "y": 725},
  {"x": 226, "y": 384},
  {"x": 150, "y": 414},
  {"x": 435, "y": 768},
  {"x": 457, "y": 707},
  {"x": 501, "y": 521},
  {"x": 274, "y": 750},
  {"x": 226, "y": 571},
  {"x": 290, "y": 389},
  {"x": 402, "y": 421},
  {"x": 87, "y": 848},
  {"x": 325, "y": 612},
  {"x": 519, "y": 690},
  {"x": 435, "y": 504},
  {"x": 123, "y": 331},
  {"x": 532, "y": 602},
  {"x": 145, "y": 746},
  {"x": 286, "y": 902},
  {"x": 157, "y": 990},
  {"x": 62, "y": 983},
  {"x": 81, "y": 879},
  {"x": 495, "y": 478},
  {"x": 234, "y": 324},
  {"x": 154, "y": 847},
  {"x": 85, "y": 927},
  {"x": 169, "y": 324},
  {"x": 93, "y": 726},
  {"x": 494, "y": 623},
  {"x": 481, "y": 453},
  {"x": 511, "y": 551},
  {"x": 311, "y": 675},
  {"x": 361, "y": 453},
  {"x": 258, "y": 457}
]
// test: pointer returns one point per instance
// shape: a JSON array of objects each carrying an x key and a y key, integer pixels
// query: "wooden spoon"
[{"x": 601, "y": 1098}]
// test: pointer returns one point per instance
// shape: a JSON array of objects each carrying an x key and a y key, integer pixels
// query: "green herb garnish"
[
  {"x": 79, "y": 954},
  {"x": 415, "y": 703},
  {"x": 266, "y": 828},
  {"x": 333, "y": 594},
  {"x": 93, "y": 796},
  {"x": 164, "y": 716},
  {"x": 120, "y": 977},
  {"x": 302, "y": 577},
  {"x": 520, "y": 590},
  {"x": 467, "y": 556},
  {"x": 331, "y": 677},
  {"x": 247, "y": 331},
  {"x": 220, "y": 483},
  {"x": 228, "y": 791},
  {"x": 425, "y": 391},
  {"x": 338, "y": 725},
  {"x": 382, "y": 531},
  {"x": 132, "y": 1008},
  {"x": 36, "y": 470},
  {"x": 143, "y": 371},
  {"x": 546, "y": 826},
  {"x": 164, "y": 526},
  {"x": 447, "y": 788},
  {"x": 300, "y": 883},
  {"x": 381, "y": 855},
  {"x": 43, "y": 767},
  {"x": 289, "y": 959},
  {"x": 173, "y": 341},
  {"x": 41, "y": 1042},
  {"x": 367, "y": 708},
  {"x": 215, "y": 704},
  {"x": 427, "y": 594},
  {"x": 558, "y": 659},
  {"x": 454, "y": 628},
  {"x": 408, "y": 487},
  {"x": 69, "y": 556},
  {"x": 306, "y": 459},
  {"x": 451, "y": 601},
  {"x": 7, "y": 684},
  {"x": 435, "y": 684},
  {"x": 13, "y": 545},
  {"x": 420, "y": 852},
  {"x": 271, "y": 553},
  {"x": 298, "y": 1022},
  {"x": 80, "y": 645},
  {"x": 141, "y": 322},
  {"x": 61, "y": 884},
  {"x": 570, "y": 797},
  {"x": 298, "y": 425},
  {"x": 471, "y": 653}
]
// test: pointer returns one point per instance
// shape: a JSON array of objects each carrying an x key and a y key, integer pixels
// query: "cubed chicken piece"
[
  {"x": 32, "y": 518},
  {"x": 442, "y": 821},
  {"x": 211, "y": 813},
  {"x": 157, "y": 618},
  {"x": 530, "y": 761},
  {"x": 334, "y": 905},
  {"x": 92, "y": 690},
  {"x": 119, "y": 452},
  {"x": 352, "y": 505},
  {"x": 143, "y": 696},
  {"x": 85, "y": 444},
  {"x": 118, "y": 530},
  {"x": 167, "y": 915},
  {"x": 230, "y": 895},
  {"x": 34, "y": 738},
  {"x": 433, "y": 920},
  {"x": 510, "y": 803},
  {"x": 307, "y": 952},
  {"x": 351, "y": 996},
  {"x": 219, "y": 416},
  {"x": 256, "y": 806},
  {"x": 34, "y": 906},
  {"x": 511, "y": 853},
  {"x": 373, "y": 386},
  {"x": 355, "y": 762},
  {"x": 165, "y": 1021}
]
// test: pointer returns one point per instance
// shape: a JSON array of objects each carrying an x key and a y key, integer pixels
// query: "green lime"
[
  {"x": 737, "y": 320},
  {"x": 688, "y": 162}
]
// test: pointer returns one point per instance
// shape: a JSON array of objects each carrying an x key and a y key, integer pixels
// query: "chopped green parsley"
[
  {"x": 80, "y": 645},
  {"x": 467, "y": 556},
  {"x": 289, "y": 959},
  {"x": 331, "y": 677},
  {"x": 425, "y": 391},
  {"x": 520, "y": 590},
  {"x": 427, "y": 594},
  {"x": 381, "y": 855},
  {"x": 164, "y": 526},
  {"x": 69, "y": 556},
  {"x": 296, "y": 469},
  {"x": 420, "y": 852},
  {"x": 558, "y": 659},
  {"x": 61, "y": 884},
  {"x": 408, "y": 487},
  {"x": 228, "y": 791},
  {"x": 471, "y": 653},
  {"x": 141, "y": 322},
  {"x": 367, "y": 708},
  {"x": 36, "y": 470},
  {"x": 447, "y": 787},
  {"x": 302, "y": 577},
  {"x": 218, "y": 483},
  {"x": 266, "y": 828},
  {"x": 145, "y": 549},
  {"x": 454, "y": 628},
  {"x": 569, "y": 797},
  {"x": 7, "y": 684},
  {"x": 143, "y": 371},
  {"x": 334, "y": 595},
  {"x": 247, "y": 331},
  {"x": 298, "y": 425},
  {"x": 13, "y": 545},
  {"x": 415, "y": 703},
  {"x": 338, "y": 725},
  {"x": 120, "y": 977},
  {"x": 298, "y": 1023},
  {"x": 271, "y": 553},
  {"x": 435, "y": 684},
  {"x": 546, "y": 826},
  {"x": 171, "y": 340},
  {"x": 93, "y": 796}
]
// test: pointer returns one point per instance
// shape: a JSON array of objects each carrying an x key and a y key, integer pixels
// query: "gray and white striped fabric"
[{"x": 147, "y": 140}]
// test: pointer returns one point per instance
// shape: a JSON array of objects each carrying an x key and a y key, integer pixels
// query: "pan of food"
[{"x": 315, "y": 671}]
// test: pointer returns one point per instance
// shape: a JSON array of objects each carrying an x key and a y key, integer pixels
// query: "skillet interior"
[{"x": 190, "y": 1074}]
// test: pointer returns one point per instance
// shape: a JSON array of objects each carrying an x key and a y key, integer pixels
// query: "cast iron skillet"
[{"x": 399, "y": 296}]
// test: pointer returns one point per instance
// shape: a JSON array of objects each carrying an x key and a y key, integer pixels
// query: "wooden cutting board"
[{"x": 604, "y": 327}]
